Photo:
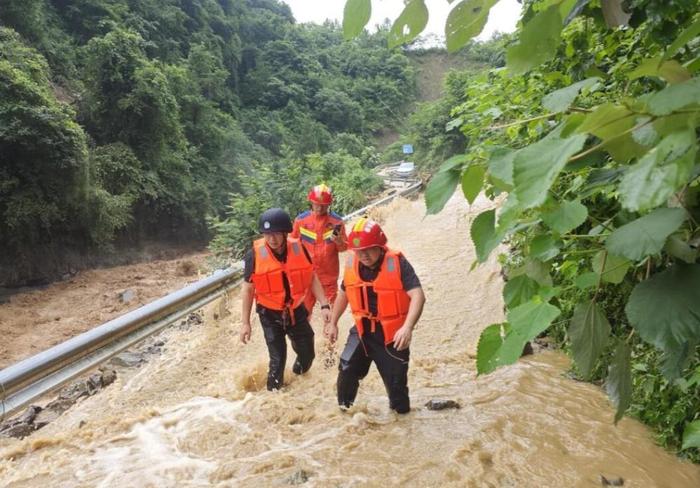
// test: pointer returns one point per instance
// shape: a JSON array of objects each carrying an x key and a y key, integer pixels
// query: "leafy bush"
[
  {"x": 592, "y": 132},
  {"x": 286, "y": 185}
]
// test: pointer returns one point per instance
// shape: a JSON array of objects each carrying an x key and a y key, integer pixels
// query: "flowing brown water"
[{"x": 199, "y": 416}]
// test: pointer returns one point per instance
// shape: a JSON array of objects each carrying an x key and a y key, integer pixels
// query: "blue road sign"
[{"x": 408, "y": 149}]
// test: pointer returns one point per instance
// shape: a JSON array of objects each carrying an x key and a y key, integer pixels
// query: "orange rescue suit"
[
  {"x": 316, "y": 233},
  {"x": 392, "y": 299},
  {"x": 268, "y": 273}
]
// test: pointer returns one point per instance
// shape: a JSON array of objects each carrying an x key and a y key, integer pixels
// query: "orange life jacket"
[
  {"x": 392, "y": 299},
  {"x": 269, "y": 271}
]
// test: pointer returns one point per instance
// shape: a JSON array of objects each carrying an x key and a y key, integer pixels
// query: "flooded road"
[{"x": 199, "y": 414}]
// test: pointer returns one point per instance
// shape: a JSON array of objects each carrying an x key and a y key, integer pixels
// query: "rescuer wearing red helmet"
[
  {"x": 323, "y": 234},
  {"x": 278, "y": 274},
  {"x": 386, "y": 300}
]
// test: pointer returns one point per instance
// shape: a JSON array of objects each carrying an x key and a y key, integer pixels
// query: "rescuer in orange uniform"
[
  {"x": 386, "y": 300},
  {"x": 278, "y": 273},
  {"x": 323, "y": 234}
]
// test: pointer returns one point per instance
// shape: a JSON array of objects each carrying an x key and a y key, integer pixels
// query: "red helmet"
[
  {"x": 321, "y": 194},
  {"x": 366, "y": 233}
]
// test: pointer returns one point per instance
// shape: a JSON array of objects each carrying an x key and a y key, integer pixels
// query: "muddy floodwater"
[{"x": 199, "y": 415}]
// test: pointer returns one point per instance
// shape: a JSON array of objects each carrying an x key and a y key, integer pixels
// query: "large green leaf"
[
  {"x": 683, "y": 38},
  {"x": 566, "y": 217},
  {"x": 355, "y": 17},
  {"x": 675, "y": 97},
  {"x": 599, "y": 121},
  {"x": 674, "y": 363},
  {"x": 673, "y": 72},
  {"x": 472, "y": 182},
  {"x": 612, "y": 268},
  {"x": 502, "y": 344},
  {"x": 561, "y": 100},
  {"x": 660, "y": 173},
  {"x": 589, "y": 332},
  {"x": 537, "y": 42},
  {"x": 665, "y": 311},
  {"x": 536, "y": 166},
  {"x": 648, "y": 67},
  {"x": 519, "y": 290},
  {"x": 501, "y": 168},
  {"x": 532, "y": 318},
  {"x": 484, "y": 235},
  {"x": 439, "y": 190},
  {"x": 610, "y": 122},
  {"x": 488, "y": 349},
  {"x": 678, "y": 248},
  {"x": 409, "y": 24},
  {"x": 618, "y": 384},
  {"x": 691, "y": 435},
  {"x": 646, "y": 235},
  {"x": 544, "y": 247},
  {"x": 527, "y": 321},
  {"x": 670, "y": 70},
  {"x": 587, "y": 280},
  {"x": 535, "y": 269},
  {"x": 509, "y": 213},
  {"x": 455, "y": 162},
  {"x": 465, "y": 21},
  {"x": 646, "y": 135}
]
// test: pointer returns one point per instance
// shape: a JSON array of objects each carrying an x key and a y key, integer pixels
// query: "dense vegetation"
[
  {"x": 431, "y": 128},
  {"x": 588, "y": 140},
  {"x": 126, "y": 120}
]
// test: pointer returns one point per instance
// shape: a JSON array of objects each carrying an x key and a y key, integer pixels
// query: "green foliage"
[
  {"x": 409, "y": 24},
  {"x": 646, "y": 235},
  {"x": 593, "y": 132},
  {"x": 561, "y": 100},
  {"x": 525, "y": 322},
  {"x": 484, "y": 234},
  {"x": 141, "y": 120},
  {"x": 355, "y": 16},
  {"x": 609, "y": 268},
  {"x": 589, "y": 333},
  {"x": 442, "y": 185},
  {"x": 619, "y": 381},
  {"x": 537, "y": 42},
  {"x": 565, "y": 217},
  {"x": 472, "y": 181},
  {"x": 285, "y": 185},
  {"x": 691, "y": 435},
  {"x": 43, "y": 175},
  {"x": 537, "y": 166},
  {"x": 465, "y": 21},
  {"x": 674, "y": 333}
]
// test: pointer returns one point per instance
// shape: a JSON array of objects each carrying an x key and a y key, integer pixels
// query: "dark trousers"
[
  {"x": 275, "y": 327},
  {"x": 392, "y": 365}
]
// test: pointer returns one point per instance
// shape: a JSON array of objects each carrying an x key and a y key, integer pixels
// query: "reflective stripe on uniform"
[{"x": 307, "y": 235}]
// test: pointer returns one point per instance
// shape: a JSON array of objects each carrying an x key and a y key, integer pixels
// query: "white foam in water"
[{"x": 152, "y": 455}]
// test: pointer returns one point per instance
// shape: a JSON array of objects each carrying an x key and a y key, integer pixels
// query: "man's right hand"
[
  {"x": 330, "y": 331},
  {"x": 244, "y": 334}
]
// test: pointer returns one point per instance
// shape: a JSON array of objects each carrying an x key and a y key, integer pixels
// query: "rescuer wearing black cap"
[{"x": 278, "y": 274}]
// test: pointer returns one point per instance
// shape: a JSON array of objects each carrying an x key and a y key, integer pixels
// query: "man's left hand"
[
  {"x": 326, "y": 314},
  {"x": 402, "y": 338}
]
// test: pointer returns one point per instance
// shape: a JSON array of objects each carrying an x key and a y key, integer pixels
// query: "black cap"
[{"x": 275, "y": 220}]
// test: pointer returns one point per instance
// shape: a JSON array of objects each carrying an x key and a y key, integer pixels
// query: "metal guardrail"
[
  {"x": 37, "y": 375},
  {"x": 400, "y": 193}
]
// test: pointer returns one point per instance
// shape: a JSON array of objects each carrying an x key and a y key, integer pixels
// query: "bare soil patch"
[{"x": 33, "y": 321}]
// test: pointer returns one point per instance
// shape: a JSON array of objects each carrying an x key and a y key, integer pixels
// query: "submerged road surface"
[{"x": 199, "y": 415}]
